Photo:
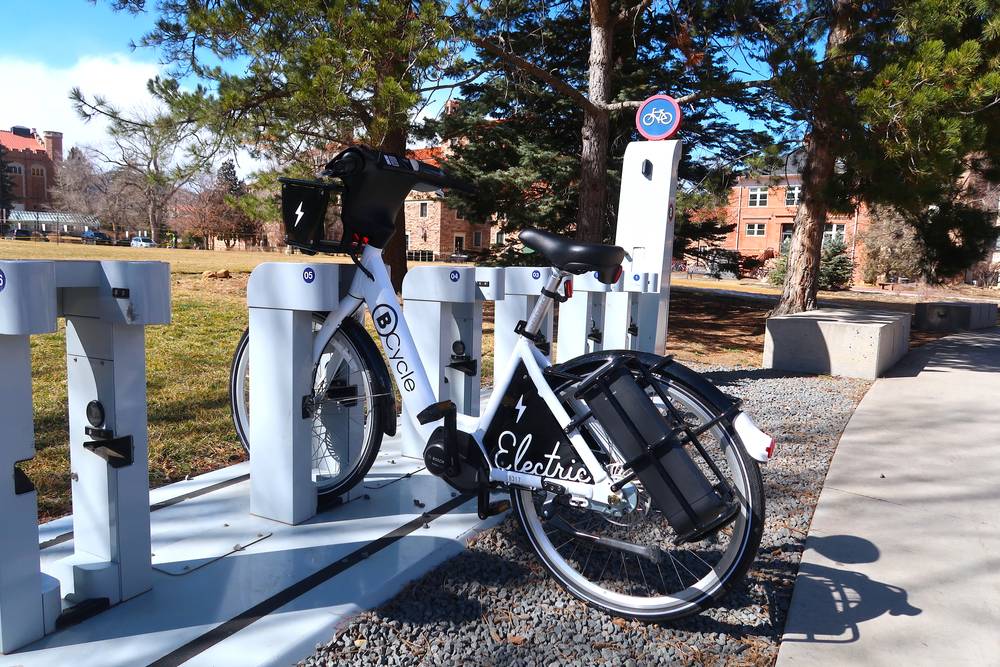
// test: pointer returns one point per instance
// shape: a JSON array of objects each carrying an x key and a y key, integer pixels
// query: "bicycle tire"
[
  {"x": 747, "y": 528},
  {"x": 357, "y": 338}
]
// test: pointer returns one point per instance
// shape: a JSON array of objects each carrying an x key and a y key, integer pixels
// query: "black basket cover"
[{"x": 303, "y": 211}]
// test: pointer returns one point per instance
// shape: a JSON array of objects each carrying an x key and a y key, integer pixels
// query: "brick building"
[
  {"x": 763, "y": 210},
  {"x": 32, "y": 161},
  {"x": 435, "y": 231}
]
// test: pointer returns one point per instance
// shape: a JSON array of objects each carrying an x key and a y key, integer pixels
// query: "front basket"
[{"x": 303, "y": 211}]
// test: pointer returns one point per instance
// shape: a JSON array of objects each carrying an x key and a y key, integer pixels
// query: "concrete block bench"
[
  {"x": 954, "y": 316},
  {"x": 854, "y": 343}
]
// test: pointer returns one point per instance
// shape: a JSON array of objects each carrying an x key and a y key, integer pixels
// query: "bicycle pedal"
[
  {"x": 492, "y": 509},
  {"x": 436, "y": 412}
]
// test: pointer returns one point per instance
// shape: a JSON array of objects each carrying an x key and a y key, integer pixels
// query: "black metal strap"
[
  {"x": 118, "y": 452},
  {"x": 521, "y": 330},
  {"x": 561, "y": 298},
  {"x": 22, "y": 484}
]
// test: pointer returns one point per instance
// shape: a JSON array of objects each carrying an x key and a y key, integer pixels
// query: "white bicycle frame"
[{"x": 390, "y": 323}]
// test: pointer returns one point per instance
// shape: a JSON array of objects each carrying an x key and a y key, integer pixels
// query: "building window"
[
  {"x": 15, "y": 169},
  {"x": 37, "y": 171},
  {"x": 757, "y": 196},
  {"x": 755, "y": 229},
  {"x": 786, "y": 233},
  {"x": 423, "y": 209},
  {"x": 500, "y": 238},
  {"x": 792, "y": 195},
  {"x": 477, "y": 239},
  {"x": 459, "y": 244},
  {"x": 831, "y": 232},
  {"x": 407, "y": 241}
]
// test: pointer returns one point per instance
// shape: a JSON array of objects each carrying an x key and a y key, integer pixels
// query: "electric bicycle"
[{"x": 635, "y": 479}]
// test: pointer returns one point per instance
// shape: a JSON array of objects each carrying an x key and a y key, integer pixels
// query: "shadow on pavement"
[
  {"x": 834, "y": 601},
  {"x": 968, "y": 350}
]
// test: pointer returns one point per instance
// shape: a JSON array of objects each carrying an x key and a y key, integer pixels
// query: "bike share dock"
[{"x": 239, "y": 566}]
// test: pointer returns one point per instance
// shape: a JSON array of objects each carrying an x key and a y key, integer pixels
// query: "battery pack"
[{"x": 652, "y": 447}]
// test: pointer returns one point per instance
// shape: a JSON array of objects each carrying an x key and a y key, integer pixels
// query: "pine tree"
[
  {"x": 835, "y": 267},
  {"x": 521, "y": 137},
  {"x": 310, "y": 76},
  {"x": 895, "y": 104}
]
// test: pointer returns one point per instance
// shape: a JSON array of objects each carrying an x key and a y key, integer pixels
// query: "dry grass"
[
  {"x": 181, "y": 261},
  {"x": 187, "y": 369}
]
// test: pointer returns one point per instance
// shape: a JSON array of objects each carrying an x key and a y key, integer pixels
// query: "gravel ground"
[{"x": 494, "y": 604}]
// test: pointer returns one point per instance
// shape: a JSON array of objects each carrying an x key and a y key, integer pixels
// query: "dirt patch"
[{"x": 716, "y": 330}]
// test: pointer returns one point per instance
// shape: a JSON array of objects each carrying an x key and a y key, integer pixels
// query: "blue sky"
[{"x": 71, "y": 29}]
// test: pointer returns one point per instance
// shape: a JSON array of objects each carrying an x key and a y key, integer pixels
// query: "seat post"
[{"x": 544, "y": 302}]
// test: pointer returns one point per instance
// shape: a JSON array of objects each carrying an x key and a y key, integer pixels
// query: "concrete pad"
[
  {"x": 834, "y": 341},
  {"x": 954, "y": 316},
  {"x": 902, "y": 560}
]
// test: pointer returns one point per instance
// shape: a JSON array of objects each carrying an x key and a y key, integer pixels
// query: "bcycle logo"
[
  {"x": 3, "y": 281},
  {"x": 386, "y": 320},
  {"x": 454, "y": 275}
]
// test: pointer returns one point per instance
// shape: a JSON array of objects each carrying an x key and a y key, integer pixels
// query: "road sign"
[{"x": 659, "y": 117}]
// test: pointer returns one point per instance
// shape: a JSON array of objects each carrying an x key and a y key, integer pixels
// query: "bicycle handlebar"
[
  {"x": 356, "y": 159},
  {"x": 376, "y": 184}
]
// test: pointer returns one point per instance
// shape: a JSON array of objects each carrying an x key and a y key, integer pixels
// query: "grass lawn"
[
  {"x": 181, "y": 261},
  {"x": 187, "y": 370}
]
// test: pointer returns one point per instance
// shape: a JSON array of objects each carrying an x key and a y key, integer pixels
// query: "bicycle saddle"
[{"x": 576, "y": 257}]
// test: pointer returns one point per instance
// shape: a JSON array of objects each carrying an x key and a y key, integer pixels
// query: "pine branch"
[
  {"x": 684, "y": 99},
  {"x": 627, "y": 15},
  {"x": 534, "y": 70}
]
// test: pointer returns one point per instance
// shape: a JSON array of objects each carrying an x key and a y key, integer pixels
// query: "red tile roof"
[
  {"x": 13, "y": 142},
  {"x": 432, "y": 155}
]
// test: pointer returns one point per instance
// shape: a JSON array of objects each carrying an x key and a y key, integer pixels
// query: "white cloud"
[{"x": 37, "y": 95}]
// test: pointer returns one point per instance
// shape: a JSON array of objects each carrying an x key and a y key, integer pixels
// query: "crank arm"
[{"x": 649, "y": 553}]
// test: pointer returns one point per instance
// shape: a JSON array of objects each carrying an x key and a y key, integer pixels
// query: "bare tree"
[{"x": 156, "y": 153}]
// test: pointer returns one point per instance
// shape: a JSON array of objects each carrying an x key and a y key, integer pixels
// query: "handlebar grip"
[{"x": 344, "y": 164}]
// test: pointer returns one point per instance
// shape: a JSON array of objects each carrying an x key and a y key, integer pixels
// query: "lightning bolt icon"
[
  {"x": 520, "y": 408},
  {"x": 298, "y": 215}
]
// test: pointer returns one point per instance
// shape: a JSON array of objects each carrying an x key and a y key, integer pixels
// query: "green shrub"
[{"x": 835, "y": 267}]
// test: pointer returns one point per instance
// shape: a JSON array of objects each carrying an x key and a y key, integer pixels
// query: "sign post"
[{"x": 635, "y": 317}]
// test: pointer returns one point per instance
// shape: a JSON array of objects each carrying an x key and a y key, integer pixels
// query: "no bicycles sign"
[{"x": 659, "y": 117}]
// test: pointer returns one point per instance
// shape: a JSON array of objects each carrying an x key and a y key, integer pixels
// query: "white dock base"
[
  {"x": 854, "y": 343},
  {"x": 285, "y": 590}
]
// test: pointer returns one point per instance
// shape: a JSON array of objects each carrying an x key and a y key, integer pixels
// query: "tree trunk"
[
  {"x": 802, "y": 279},
  {"x": 394, "y": 252},
  {"x": 596, "y": 127},
  {"x": 151, "y": 217}
]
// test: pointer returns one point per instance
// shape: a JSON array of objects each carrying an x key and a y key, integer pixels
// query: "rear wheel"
[
  {"x": 347, "y": 422},
  {"x": 654, "y": 579}
]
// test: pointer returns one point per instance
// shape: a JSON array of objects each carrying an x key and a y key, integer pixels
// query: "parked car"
[
  {"x": 24, "y": 235},
  {"x": 142, "y": 242},
  {"x": 97, "y": 238},
  {"x": 123, "y": 242},
  {"x": 18, "y": 235}
]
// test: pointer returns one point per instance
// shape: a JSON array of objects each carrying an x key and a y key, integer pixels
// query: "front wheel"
[
  {"x": 348, "y": 415},
  {"x": 654, "y": 579}
]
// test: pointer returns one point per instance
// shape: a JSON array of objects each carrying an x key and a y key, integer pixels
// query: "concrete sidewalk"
[{"x": 902, "y": 561}]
